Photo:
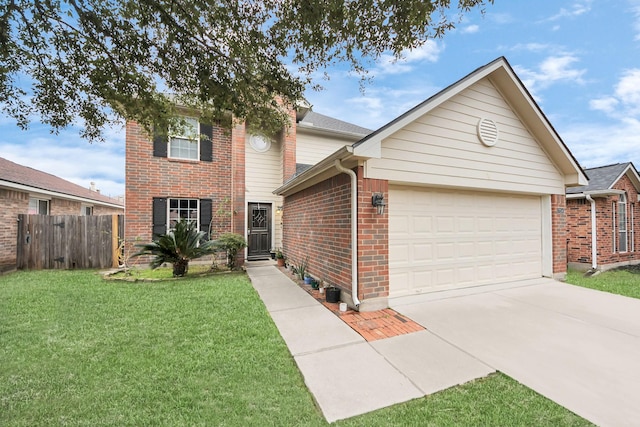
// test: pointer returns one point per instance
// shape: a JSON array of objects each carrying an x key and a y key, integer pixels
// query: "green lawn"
[
  {"x": 76, "y": 350},
  {"x": 621, "y": 281}
]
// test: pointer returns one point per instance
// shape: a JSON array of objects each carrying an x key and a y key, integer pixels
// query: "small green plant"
[
  {"x": 301, "y": 268},
  {"x": 231, "y": 244},
  {"x": 177, "y": 247},
  {"x": 279, "y": 254}
]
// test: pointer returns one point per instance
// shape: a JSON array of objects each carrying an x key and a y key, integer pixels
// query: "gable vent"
[{"x": 488, "y": 132}]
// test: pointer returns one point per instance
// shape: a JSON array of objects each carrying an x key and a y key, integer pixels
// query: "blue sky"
[{"x": 579, "y": 59}]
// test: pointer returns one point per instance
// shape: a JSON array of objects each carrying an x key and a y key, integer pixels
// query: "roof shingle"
[{"x": 24, "y": 175}]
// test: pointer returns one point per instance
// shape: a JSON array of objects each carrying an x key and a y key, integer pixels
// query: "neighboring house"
[
  {"x": 470, "y": 187},
  {"x": 24, "y": 190},
  {"x": 223, "y": 179},
  {"x": 602, "y": 218}
]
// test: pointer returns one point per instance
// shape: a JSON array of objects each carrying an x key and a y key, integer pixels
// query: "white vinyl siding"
[
  {"x": 263, "y": 174},
  {"x": 444, "y": 239},
  {"x": 442, "y": 148},
  {"x": 311, "y": 148}
]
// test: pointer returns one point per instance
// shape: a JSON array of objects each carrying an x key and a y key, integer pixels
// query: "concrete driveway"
[{"x": 576, "y": 346}]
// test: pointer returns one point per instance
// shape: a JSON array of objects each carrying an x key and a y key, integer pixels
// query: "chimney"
[{"x": 92, "y": 186}]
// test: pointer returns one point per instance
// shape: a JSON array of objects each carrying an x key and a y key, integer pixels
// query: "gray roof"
[
  {"x": 601, "y": 178},
  {"x": 320, "y": 121}
]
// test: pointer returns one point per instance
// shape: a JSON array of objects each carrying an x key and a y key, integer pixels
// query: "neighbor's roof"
[
  {"x": 322, "y": 122},
  {"x": 25, "y": 178},
  {"x": 605, "y": 177}
]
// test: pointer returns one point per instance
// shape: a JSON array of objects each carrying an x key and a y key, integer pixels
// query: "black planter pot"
[{"x": 332, "y": 294}]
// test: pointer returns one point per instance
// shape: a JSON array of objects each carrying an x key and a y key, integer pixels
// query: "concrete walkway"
[{"x": 365, "y": 376}]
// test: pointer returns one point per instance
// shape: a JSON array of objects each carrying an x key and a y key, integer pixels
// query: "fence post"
[{"x": 115, "y": 246}]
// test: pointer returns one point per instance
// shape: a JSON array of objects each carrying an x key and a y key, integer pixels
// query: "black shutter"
[
  {"x": 206, "y": 208},
  {"x": 159, "y": 216},
  {"x": 160, "y": 142},
  {"x": 206, "y": 142}
]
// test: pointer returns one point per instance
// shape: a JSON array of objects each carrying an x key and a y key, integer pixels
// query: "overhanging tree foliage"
[{"x": 92, "y": 61}]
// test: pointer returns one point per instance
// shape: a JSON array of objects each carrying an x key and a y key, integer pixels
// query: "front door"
[{"x": 259, "y": 231}]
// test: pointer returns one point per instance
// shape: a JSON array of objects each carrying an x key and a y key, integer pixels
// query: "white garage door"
[{"x": 444, "y": 239}]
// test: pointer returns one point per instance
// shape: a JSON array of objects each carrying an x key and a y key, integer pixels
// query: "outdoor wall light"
[
  {"x": 377, "y": 201},
  {"x": 279, "y": 209}
]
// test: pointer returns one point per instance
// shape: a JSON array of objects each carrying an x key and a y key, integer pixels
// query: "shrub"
[
  {"x": 231, "y": 243},
  {"x": 179, "y": 246}
]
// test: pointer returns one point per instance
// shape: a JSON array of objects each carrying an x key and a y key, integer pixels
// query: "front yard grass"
[
  {"x": 78, "y": 350},
  {"x": 624, "y": 281}
]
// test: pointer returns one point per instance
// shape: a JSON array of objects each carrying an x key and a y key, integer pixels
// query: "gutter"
[
  {"x": 594, "y": 193},
  {"x": 594, "y": 246},
  {"x": 354, "y": 231}
]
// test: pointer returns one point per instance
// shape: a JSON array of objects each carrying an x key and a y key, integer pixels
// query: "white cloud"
[
  {"x": 624, "y": 103},
  {"x": 606, "y": 104},
  {"x": 470, "y": 29},
  {"x": 429, "y": 51},
  {"x": 552, "y": 70},
  {"x": 628, "y": 89},
  {"x": 598, "y": 145},
  {"x": 69, "y": 157},
  {"x": 576, "y": 9}
]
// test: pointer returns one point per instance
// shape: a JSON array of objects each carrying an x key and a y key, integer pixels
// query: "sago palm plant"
[{"x": 179, "y": 246}]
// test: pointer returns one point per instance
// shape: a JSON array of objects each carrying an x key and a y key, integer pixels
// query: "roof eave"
[
  {"x": 319, "y": 172},
  {"x": 352, "y": 136},
  {"x": 595, "y": 193},
  {"x": 30, "y": 189}
]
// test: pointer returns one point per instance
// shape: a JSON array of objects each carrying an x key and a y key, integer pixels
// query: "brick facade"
[
  {"x": 13, "y": 204},
  {"x": 373, "y": 241},
  {"x": 559, "y": 235},
  {"x": 579, "y": 238},
  {"x": 149, "y": 177},
  {"x": 318, "y": 226}
]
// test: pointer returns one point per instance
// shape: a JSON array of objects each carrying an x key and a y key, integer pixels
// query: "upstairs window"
[
  {"x": 193, "y": 141},
  {"x": 185, "y": 142},
  {"x": 38, "y": 206}
]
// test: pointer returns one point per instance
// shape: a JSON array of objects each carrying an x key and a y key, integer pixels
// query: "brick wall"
[
  {"x": 317, "y": 224},
  {"x": 580, "y": 228},
  {"x": 13, "y": 204},
  {"x": 373, "y": 240},
  {"x": 148, "y": 177},
  {"x": 289, "y": 149},
  {"x": 579, "y": 231},
  {"x": 559, "y": 234}
]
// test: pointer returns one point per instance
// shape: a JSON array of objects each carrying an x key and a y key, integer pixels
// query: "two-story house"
[
  {"x": 223, "y": 178},
  {"x": 466, "y": 189}
]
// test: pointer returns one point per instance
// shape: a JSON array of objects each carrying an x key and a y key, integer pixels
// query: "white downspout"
[
  {"x": 594, "y": 246},
  {"x": 354, "y": 231}
]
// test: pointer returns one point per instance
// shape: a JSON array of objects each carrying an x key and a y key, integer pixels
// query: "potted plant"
[
  {"x": 280, "y": 259},
  {"x": 272, "y": 252},
  {"x": 301, "y": 268},
  {"x": 332, "y": 294},
  {"x": 308, "y": 280}
]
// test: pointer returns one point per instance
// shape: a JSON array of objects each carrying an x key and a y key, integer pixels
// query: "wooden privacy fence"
[{"x": 69, "y": 241}]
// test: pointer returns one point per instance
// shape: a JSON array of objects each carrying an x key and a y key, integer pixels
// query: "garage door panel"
[{"x": 445, "y": 239}]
